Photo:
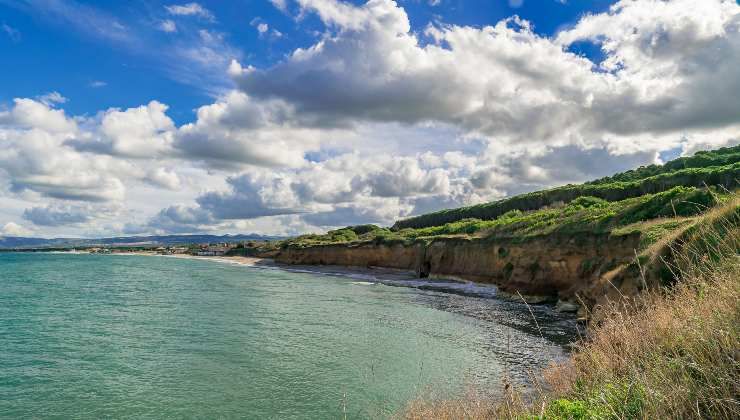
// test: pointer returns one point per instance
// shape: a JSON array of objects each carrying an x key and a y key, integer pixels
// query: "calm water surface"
[{"x": 91, "y": 336}]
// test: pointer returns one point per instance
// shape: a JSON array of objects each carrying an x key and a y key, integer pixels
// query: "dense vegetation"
[
  {"x": 664, "y": 354},
  {"x": 714, "y": 168},
  {"x": 344, "y": 235},
  {"x": 702, "y": 159},
  {"x": 664, "y": 210}
]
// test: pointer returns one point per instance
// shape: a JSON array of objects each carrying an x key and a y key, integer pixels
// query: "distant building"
[
  {"x": 213, "y": 251},
  {"x": 171, "y": 250}
]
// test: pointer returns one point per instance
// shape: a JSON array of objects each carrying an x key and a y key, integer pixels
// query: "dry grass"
[{"x": 665, "y": 354}]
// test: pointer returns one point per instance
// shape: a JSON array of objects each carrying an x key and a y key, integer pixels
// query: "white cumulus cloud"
[{"x": 190, "y": 9}]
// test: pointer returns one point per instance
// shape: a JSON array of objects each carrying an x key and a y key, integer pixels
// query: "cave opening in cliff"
[{"x": 424, "y": 270}]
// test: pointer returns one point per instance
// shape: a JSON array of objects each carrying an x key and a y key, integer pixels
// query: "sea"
[{"x": 86, "y": 336}]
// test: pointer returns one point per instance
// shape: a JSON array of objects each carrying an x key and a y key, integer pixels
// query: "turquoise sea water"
[{"x": 92, "y": 336}]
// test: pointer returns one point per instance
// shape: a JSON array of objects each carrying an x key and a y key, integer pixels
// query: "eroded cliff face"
[
  {"x": 558, "y": 266},
  {"x": 361, "y": 255}
]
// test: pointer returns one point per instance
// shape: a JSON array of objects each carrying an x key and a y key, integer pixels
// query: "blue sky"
[
  {"x": 291, "y": 116},
  {"x": 59, "y": 52}
]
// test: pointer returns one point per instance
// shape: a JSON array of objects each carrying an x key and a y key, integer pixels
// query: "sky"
[{"x": 284, "y": 117}]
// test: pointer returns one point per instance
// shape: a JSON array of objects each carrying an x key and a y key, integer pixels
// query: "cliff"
[
  {"x": 584, "y": 244},
  {"x": 554, "y": 266}
]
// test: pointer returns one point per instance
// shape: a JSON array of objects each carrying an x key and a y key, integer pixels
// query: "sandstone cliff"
[{"x": 555, "y": 266}]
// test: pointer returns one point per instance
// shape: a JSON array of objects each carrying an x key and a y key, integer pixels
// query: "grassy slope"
[
  {"x": 665, "y": 354},
  {"x": 719, "y": 167},
  {"x": 652, "y": 214},
  {"x": 654, "y": 200}
]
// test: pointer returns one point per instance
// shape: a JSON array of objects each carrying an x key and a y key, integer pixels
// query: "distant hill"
[{"x": 15, "y": 242}]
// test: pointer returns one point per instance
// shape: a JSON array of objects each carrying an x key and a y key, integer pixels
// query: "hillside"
[
  {"x": 715, "y": 168},
  {"x": 668, "y": 353},
  {"x": 575, "y": 244}
]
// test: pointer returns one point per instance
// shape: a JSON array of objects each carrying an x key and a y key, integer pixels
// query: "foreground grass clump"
[{"x": 663, "y": 354}]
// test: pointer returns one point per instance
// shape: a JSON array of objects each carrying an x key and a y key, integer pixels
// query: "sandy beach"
[{"x": 248, "y": 261}]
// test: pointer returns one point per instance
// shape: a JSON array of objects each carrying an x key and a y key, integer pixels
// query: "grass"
[
  {"x": 670, "y": 353},
  {"x": 702, "y": 159},
  {"x": 715, "y": 168},
  {"x": 624, "y": 203},
  {"x": 651, "y": 214},
  {"x": 585, "y": 214}
]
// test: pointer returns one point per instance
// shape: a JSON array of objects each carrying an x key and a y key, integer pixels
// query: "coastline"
[
  {"x": 374, "y": 275},
  {"x": 368, "y": 275}
]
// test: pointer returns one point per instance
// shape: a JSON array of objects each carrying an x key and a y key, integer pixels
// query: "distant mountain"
[{"x": 15, "y": 242}]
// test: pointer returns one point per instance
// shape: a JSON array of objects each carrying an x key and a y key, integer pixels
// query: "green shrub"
[
  {"x": 588, "y": 202},
  {"x": 567, "y": 410},
  {"x": 342, "y": 235},
  {"x": 678, "y": 201},
  {"x": 703, "y": 159},
  {"x": 363, "y": 229},
  {"x": 620, "y": 401}
]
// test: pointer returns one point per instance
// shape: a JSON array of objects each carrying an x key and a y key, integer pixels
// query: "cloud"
[
  {"x": 373, "y": 210},
  {"x": 512, "y": 86},
  {"x": 34, "y": 156},
  {"x": 30, "y": 114},
  {"x": 14, "y": 229},
  {"x": 163, "y": 178},
  {"x": 251, "y": 196},
  {"x": 12, "y": 33},
  {"x": 201, "y": 59},
  {"x": 404, "y": 177},
  {"x": 180, "y": 219},
  {"x": 491, "y": 80},
  {"x": 167, "y": 25},
  {"x": 351, "y": 188},
  {"x": 263, "y": 29},
  {"x": 57, "y": 215},
  {"x": 237, "y": 131},
  {"x": 281, "y": 5},
  {"x": 674, "y": 65},
  {"x": 191, "y": 9},
  {"x": 142, "y": 132},
  {"x": 378, "y": 120},
  {"x": 347, "y": 188},
  {"x": 52, "y": 99},
  {"x": 98, "y": 84}
]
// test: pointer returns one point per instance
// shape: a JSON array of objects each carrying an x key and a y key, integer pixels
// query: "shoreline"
[
  {"x": 370, "y": 275},
  {"x": 378, "y": 275}
]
